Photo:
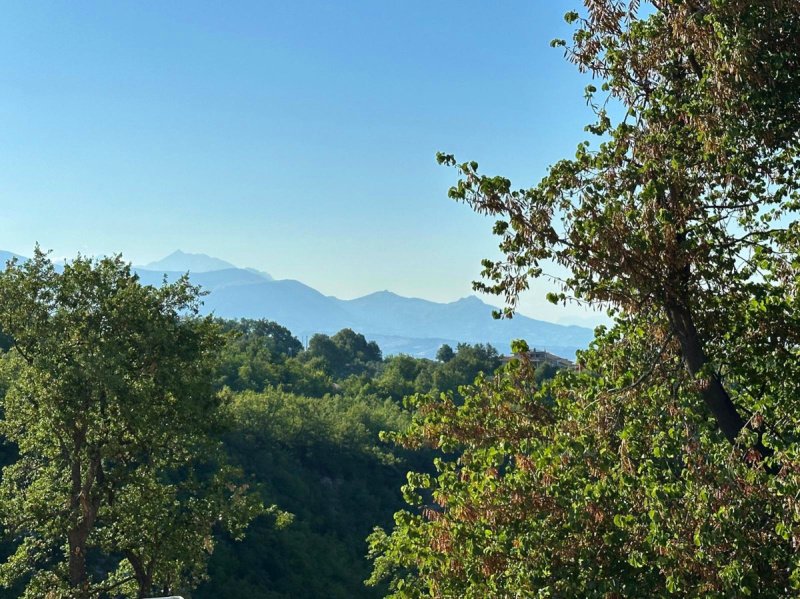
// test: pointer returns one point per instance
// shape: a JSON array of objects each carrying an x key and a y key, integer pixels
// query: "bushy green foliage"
[
  {"x": 322, "y": 458},
  {"x": 400, "y": 376},
  {"x": 445, "y": 353},
  {"x": 119, "y": 480},
  {"x": 608, "y": 482},
  {"x": 318, "y": 455},
  {"x": 465, "y": 365},
  {"x": 261, "y": 354},
  {"x": 167, "y": 402},
  {"x": 344, "y": 354},
  {"x": 668, "y": 464},
  {"x": 685, "y": 201}
]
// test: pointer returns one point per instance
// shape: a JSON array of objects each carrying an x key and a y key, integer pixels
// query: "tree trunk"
[
  {"x": 694, "y": 356},
  {"x": 78, "y": 578},
  {"x": 79, "y": 534},
  {"x": 84, "y": 507},
  {"x": 144, "y": 576}
]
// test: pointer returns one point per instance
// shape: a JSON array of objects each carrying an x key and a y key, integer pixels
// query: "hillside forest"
[
  {"x": 179, "y": 432},
  {"x": 149, "y": 449}
]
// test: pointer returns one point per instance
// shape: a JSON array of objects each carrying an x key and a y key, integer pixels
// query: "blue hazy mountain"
[
  {"x": 398, "y": 324},
  {"x": 300, "y": 308},
  {"x": 6, "y": 256},
  {"x": 179, "y": 261},
  {"x": 211, "y": 281},
  {"x": 468, "y": 319}
]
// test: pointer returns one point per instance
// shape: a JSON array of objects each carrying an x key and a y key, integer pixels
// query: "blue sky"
[{"x": 294, "y": 137}]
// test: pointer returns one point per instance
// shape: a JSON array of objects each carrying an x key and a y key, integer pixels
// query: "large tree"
[
  {"x": 344, "y": 354},
  {"x": 119, "y": 482},
  {"x": 619, "y": 480},
  {"x": 592, "y": 486},
  {"x": 687, "y": 201}
]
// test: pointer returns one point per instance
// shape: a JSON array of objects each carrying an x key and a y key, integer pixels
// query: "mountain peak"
[
  {"x": 179, "y": 261},
  {"x": 469, "y": 299},
  {"x": 384, "y": 294}
]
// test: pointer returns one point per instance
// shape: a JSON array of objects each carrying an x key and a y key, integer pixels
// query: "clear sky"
[{"x": 297, "y": 137}]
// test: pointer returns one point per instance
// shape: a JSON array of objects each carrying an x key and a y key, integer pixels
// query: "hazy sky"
[{"x": 295, "y": 137}]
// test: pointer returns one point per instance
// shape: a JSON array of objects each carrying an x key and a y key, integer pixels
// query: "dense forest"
[
  {"x": 305, "y": 424},
  {"x": 226, "y": 425},
  {"x": 150, "y": 450}
]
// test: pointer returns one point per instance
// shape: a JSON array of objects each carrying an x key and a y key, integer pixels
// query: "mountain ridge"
[
  {"x": 399, "y": 324},
  {"x": 180, "y": 261}
]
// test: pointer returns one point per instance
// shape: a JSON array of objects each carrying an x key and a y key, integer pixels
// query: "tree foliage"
[
  {"x": 319, "y": 454},
  {"x": 667, "y": 464},
  {"x": 345, "y": 353},
  {"x": 687, "y": 202},
  {"x": 260, "y": 354},
  {"x": 168, "y": 404},
  {"x": 322, "y": 457},
  {"x": 445, "y": 353},
  {"x": 589, "y": 486},
  {"x": 119, "y": 482}
]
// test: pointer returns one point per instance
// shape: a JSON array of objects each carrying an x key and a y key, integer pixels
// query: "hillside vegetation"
[
  {"x": 667, "y": 465},
  {"x": 147, "y": 447},
  {"x": 150, "y": 449}
]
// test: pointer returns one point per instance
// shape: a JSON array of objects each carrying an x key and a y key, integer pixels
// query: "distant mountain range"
[
  {"x": 179, "y": 261},
  {"x": 398, "y": 324},
  {"x": 6, "y": 256}
]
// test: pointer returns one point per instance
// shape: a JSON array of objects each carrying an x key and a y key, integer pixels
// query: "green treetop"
[
  {"x": 633, "y": 476},
  {"x": 110, "y": 402},
  {"x": 686, "y": 204}
]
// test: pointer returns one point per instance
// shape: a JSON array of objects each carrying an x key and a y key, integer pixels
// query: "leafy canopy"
[
  {"x": 681, "y": 217},
  {"x": 119, "y": 481}
]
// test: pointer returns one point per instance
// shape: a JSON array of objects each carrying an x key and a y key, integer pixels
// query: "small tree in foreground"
[{"x": 120, "y": 481}]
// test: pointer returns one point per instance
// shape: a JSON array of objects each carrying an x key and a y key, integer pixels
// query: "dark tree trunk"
[
  {"x": 78, "y": 576},
  {"x": 694, "y": 356},
  {"x": 79, "y": 534},
  {"x": 77, "y": 560},
  {"x": 144, "y": 576},
  {"x": 681, "y": 321},
  {"x": 714, "y": 394},
  {"x": 84, "y": 507}
]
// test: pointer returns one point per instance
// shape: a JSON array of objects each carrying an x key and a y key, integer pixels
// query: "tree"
[
  {"x": 399, "y": 375},
  {"x": 119, "y": 482},
  {"x": 589, "y": 486},
  {"x": 634, "y": 475},
  {"x": 265, "y": 334},
  {"x": 467, "y": 363},
  {"x": 687, "y": 204},
  {"x": 323, "y": 457},
  {"x": 260, "y": 354},
  {"x": 544, "y": 372},
  {"x": 356, "y": 345},
  {"x": 445, "y": 353},
  {"x": 345, "y": 353}
]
